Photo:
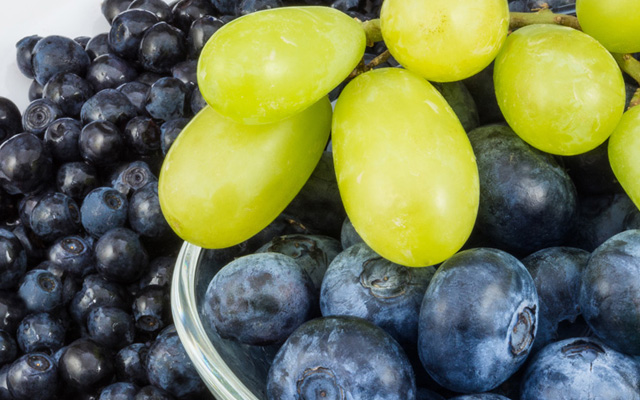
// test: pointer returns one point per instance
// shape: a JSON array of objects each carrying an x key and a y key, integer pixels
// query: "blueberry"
[
  {"x": 580, "y": 368},
  {"x": 348, "y": 235},
  {"x": 137, "y": 93},
  {"x": 480, "y": 396},
  {"x": 68, "y": 92},
  {"x": 41, "y": 332},
  {"x": 325, "y": 358},
  {"x": 160, "y": 8},
  {"x": 478, "y": 320},
  {"x": 101, "y": 143},
  {"x": 145, "y": 215},
  {"x": 169, "y": 131},
  {"x": 12, "y": 310},
  {"x": 71, "y": 253},
  {"x": 4, "y": 388},
  {"x": 610, "y": 292},
  {"x": 111, "y": 8},
  {"x": 33, "y": 376},
  {"x": 57, "y": 54},
  {"x": 170, "y": 368},
  {"x": 187, "y": 11},
  {"x": 61, "y": 139},
  {"x": 186, "y": 71},
  {"x": 161, "y": 47},
  {"x": 39, "y": 115},
  {"x": 127, "y": 30},
  {"x": 591, "y": 171},
  {"x": 119, "y": 391},
  {"x": 96, "y": 292},
  {"x": 228, "y": 7},
  {"x": 8, "y": 348},
  {"x": 260, "y": 298},
  {"x": 120, "y": 256},
  {"x": 148, "y": 78},
  {"x": 40, "y": 291},
  {"x": 24, "y": 54},
  {"x": 33, "y": 246},
  {"x": 557, "y": 274},
  {"x": 250, "y": 6},
  {"x": 97, "y": 46},
  {"x": 55, "y": 215},
  {"x": 526, "y": 205},
  {"x": 8, "y": 208},
  {"x": 76, "y": 179},
  {"x": 10, "y": 119},
  {"x": 196, "y": 100},
  {"x": 313, "y": 252},
  {"x": 160, "y": 272},
  {"x": 200, "y": 32},
  {"x": 142, "y": 136},
  {"x": 132, "y": 176},
  {"x": 362, "y": 284},
  {"x": 103, "y": 209},
  {"x": 151, "y": 392},
  {"x": 152, "y": 309},
  {"x": 111, "y": 327},
  {"x": 483, "y": 92},
  {"x": 110, "y": 71},
  {"x": 85, "y": 365},
  {"x": 167, "y": 99},
  {"x": 108, "y": 105},
  {"x": 35, "y": 91},
  {"x": 130, "y": 363},
  {"x": 13, "y": 263},
  {"x": 25, "y": 164}
]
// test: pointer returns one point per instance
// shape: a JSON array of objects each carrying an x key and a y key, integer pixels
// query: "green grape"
[
  {"x": 222, "y": 182},
  {"x": 559, "y": 89},
  {"x": 444, "y": 40},
  {"x": 614, "y": 23},
  {"x": 623, "y": 153},
  {"x": 269, "y": 65},
  {"x": 406, "y": 170}
]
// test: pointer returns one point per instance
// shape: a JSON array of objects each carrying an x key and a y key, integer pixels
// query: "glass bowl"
[{"x": 231, "y": 370}]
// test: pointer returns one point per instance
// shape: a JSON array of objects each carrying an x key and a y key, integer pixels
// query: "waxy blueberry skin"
[{"x": 478, "y": 320}]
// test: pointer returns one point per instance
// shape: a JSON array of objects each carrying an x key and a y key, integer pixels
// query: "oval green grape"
[
  {"x": 222, "y": 182},
  {"x": 614, "y": 23},
  {"x": 269, "y": 65},
  {"x": 444, "y": 40},
  {"x": 623, "y": 153},
  {"x": 559, "y": 89},
  {"x": 405, "y": 167}
]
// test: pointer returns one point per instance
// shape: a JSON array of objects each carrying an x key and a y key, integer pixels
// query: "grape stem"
[
  {"x": 362, "y": 67},
  {"x": 635, "y": 100}
]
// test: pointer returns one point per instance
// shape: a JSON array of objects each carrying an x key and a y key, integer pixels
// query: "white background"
[{"x": 20, "y": 18}]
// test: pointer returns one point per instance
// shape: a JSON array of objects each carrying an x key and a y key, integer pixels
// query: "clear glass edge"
[{"x": 220, "y": 380}]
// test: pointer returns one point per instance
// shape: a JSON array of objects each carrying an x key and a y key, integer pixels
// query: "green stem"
[
  {"x": 544, "y": 16},
  {"x": 635, "y": 100},
  {"x": 629, "y": 65}
]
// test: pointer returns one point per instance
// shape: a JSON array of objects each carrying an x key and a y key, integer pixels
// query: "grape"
[
  {"x": 269, "y": 65},
  {"x": 222, "y": 181},
  {"x": 558, "y": 89},
  {"x": 405, "y": 168},
  {"x": 614, "y": 23},
  {"x": 623, "y": 148},
  {"x": 444, "y": 40}
]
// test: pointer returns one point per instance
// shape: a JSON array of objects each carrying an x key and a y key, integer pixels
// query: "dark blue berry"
[
  {"x": 108, "y": 105},
  {"x": 13, "y": 262},
  {"x": 110, "y": 71},
  {"x": 12, "y": 310},
  {"x": 33, "y": 376},
  {"x": 152, "y": 309},
  {"x": 326, "y": 356},
  {"x": 130, "y": 363},
  {"x": 120, "y": 256},
  {"x": 41, "y": 332},
  {"x": 196, "y": 101},
  {"x": 8, "y": 348},
  {"x": 101, "y": 143},
  {"x": 10, "y": 119},
  {"x": 95, "y": 292},
  {"x": 111, "y": 327},
  {"x": 119, "y": 391},
  {"x": 167, "y": 99},
  {"x": 170, "y": 130},
  {"x": 97, "y": 46},
  {"x": 53, "y": 55},
  {"x": 162, "y": 47},
  {"x": 55, "y": 215},
  {"x": 4, "y": 389},
  {"x": 200, "y": 31},
  {"x": 39, "y": 115},
  {"x": 250, "y": 6},
  {"x": 76, "y": 179},
  {"x": 148, "y": 78},
  {"x": 170, "y": 368},
  {"x": 32, "y": 244},
  {"x": 187, "y": 11},
  {"x": 85, "y": 365},
  {"x": 61, "y": 139},
  {"x": 151, "y": 392},
  {"x": 142, "y": 136},
  {"x": 103, "y": 209},
  {"x": 69, "y": 92},
  {"x": 137, "y": 93},
  {"x": 145, "y": 215},
  {"x": 132, "y": 177},
  {"x": 127, "y": 30},
  {"x": 160, "y": 8},
  {"x": 111, "y": 8},
  {"x": 24, "y": 54},
  {"x": 72, "y": 253},
  {"x": 40, "y": 291},
  {"x": 35, "y": 91},
  {"x": 82, "y": 40},
  {"x": 348, "y": 235},
  {"x": 160, "y": 272},
  {"x": 186, "y": 71}
]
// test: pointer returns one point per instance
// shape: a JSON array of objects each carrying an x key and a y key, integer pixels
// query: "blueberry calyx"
[
  {"x": 583, "y": 349},
  {"x": 319, "y": 382},
  {"x": 38, "y": 362},
  {"x": 384, "y": 279},
  {"x": 47, "y": 283},
  {"x": 73, "y": 245},
  {"x": 523, "y": 331}
]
